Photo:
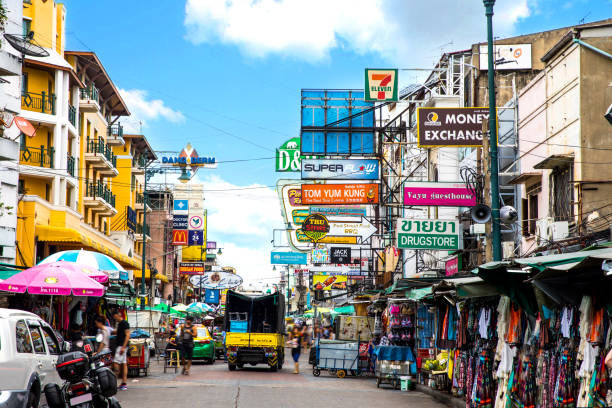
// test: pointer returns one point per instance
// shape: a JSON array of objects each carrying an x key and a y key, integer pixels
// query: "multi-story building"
[{"x": 10, "y": 95}]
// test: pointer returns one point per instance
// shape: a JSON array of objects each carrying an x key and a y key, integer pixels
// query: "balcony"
[
  {"x": 38, "y": 102},
  {"x": 114, "y": 135},
  {"x": 100, "y": 156},
  {"x": 37, "y": 156},
  {"x": 139, "y": 230},
  {"x": 70, "y": 165},
  {"x": 140, "y": 202},
  {"x": 72, "y": 115},
  {"x": 100, "y": 198},
  {"x": 90, "y": 99},
  {"x": 138, "y": 165}
]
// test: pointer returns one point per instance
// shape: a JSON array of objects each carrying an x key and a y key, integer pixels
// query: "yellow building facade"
[{"x": 77, "y": 173}]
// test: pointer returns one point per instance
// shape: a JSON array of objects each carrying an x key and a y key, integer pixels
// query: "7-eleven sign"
[{"x": 380, "y": 85}]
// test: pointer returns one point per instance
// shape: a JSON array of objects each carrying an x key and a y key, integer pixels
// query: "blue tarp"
[{"x": 394, "y": 353}]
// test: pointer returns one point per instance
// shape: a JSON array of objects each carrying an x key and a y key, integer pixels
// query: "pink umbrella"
[{"x": 58, "y": 278}]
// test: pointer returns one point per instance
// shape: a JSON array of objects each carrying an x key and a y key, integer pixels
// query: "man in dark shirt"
[{"x": 123, "y": 337}]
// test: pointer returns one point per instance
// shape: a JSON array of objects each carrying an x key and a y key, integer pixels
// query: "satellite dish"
[{"x": 26, "y": 45}]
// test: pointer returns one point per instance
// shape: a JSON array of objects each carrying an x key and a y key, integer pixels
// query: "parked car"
[
  {"x": 204, "y": 345},
  {"x": 29, "y": 349}
]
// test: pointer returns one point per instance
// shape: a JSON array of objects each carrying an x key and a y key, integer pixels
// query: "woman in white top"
[{"x": 105, "y": 331}]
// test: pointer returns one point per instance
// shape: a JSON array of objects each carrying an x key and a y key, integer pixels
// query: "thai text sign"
[
  {"x": 339, "y": 193},
  {"x": 288, "y": 258},
  {"x": 451, "y": 127},
  {"x": 428, "y": 234},
  {"x": 381, "y": 85},
  {"x": 442, "y": 194},
  {"x": 340, "y": 169}
]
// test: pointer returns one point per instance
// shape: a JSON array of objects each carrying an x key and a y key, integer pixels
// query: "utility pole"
[
  {"x": 486, "y": 171},
  {"x": 495, "y": 226},
  {"x": 144, "y": 242}
]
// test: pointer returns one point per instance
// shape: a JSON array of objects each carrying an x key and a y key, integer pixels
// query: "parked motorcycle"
[{"x": 88, "y": 382}]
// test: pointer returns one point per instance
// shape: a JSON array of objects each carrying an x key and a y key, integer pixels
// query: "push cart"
[
  {"x": 340, "y": 358},
  {"x": 393, "y": 363},
  {"x": 138, "y": 357}
]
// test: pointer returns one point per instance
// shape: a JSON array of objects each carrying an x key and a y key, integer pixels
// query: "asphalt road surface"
[{"x": 214, "y": 386}]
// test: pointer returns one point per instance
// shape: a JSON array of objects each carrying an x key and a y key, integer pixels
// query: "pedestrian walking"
[
  {"x": 295, "y": 342},
  {"x": 123, "y": 337},
  {"x": 188, "y": 332},
  {"x": 105, "y": 331}
]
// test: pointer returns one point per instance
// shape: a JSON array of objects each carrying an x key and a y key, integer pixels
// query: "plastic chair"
[{"x": 172, "y": 359}]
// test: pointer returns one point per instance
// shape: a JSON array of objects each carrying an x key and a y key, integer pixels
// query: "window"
[
  {"x": 24, "y": 83},
  {"x": 22, "y": 337},
  {"x": 27, "y": 26},
  {"x": 37, "y": 339},
  {"x": 562, "y": 193},
  {"x": 21, "y": 189},
  {"x": 51, "y": 340},
  {"x": 533, "y": 192}
]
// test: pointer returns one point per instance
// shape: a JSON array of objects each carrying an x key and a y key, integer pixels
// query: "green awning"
[
  {"x": 7, "y": 273},
  {"x": 344, "y": 310},
  {"x": 418, "y": 293}
]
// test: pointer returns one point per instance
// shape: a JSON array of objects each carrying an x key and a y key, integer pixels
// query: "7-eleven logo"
[{"x": 381, "y": 84}]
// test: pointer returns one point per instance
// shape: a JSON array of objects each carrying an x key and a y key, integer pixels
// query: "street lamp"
[{"x": 495, "y": 230}]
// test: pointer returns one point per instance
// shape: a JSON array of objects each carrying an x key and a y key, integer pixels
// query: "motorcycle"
[{"x": 88, "y": 382}]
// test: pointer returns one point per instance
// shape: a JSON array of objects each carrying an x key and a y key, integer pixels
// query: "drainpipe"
[{"x": 592, "y": 48}]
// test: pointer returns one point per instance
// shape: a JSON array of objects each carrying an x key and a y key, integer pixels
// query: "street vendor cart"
[
  {"x": 138, "y": 357},
  {"x": 393, "y": 363},
  {"x": 340, "y": 358}
]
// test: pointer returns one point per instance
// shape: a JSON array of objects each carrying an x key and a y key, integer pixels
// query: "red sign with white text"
[{"x": 180, "y": 237}]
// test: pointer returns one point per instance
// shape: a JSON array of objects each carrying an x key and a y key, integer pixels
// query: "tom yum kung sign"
[
  {"x": 339, "y": 194},
  {"x": 451, "y": 127},
  {"x": 428, "y": 234}
]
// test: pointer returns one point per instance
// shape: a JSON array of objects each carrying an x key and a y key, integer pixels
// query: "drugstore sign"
[{"x": 428, "y": 234}]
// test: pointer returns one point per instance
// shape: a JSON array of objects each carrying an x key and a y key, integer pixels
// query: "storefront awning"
[
  {"x": 161, "y": 277},
  {"x": 61, "y": 235}
]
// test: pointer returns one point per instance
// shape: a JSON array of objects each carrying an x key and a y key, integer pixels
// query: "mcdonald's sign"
[{"x": 180, "y": 237}]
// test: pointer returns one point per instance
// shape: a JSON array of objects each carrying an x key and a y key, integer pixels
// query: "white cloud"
[
  {"x": 241, "y": 219},
  {"x": 143, "y": 109},
  {"x": 398, "y": 30}
]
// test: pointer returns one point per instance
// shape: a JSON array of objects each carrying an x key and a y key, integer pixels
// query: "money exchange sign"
[{"x": 428, "y": 234}]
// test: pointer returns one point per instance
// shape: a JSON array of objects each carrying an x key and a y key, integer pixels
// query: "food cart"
[
  {"x": 138, "y": 358},
  {"x": 392, "y": 364}
]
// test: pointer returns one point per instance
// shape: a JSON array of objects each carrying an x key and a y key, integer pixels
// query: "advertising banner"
[
  {"x": 217, "y": 280},
  {"x": 191, "y": 268},
  {"x": 288, "y": 258},
  {"x": 340, "y": 255},
  {"x": 507, "y": 56},
  {"x": 319, "y": 256},
  {"x": 452, "y": 266},
  {"x": 181, "y": 206},
  {"x": 339, "y": 193},
  {"x": 439, "y": 194},
  {"x": 180, "y": 237},
  {"x": 179, "y": 222},
  {"x": 288, "y": 156},
  {"x": 340, "y": 169},
  {"x": 195, "y": 237},
  {"x": 211, "y": 245},
  {"x": 451, "y": 127},
  {"x": 356, "y": 211},
  {"x": 325, "y": 282},
  {"x": 332, "y": 269},
  {"x": 428, "y": 234},
  {"x": 380, "y": 85},
  {"x": 211, "y": 296},
  {"x": 315, "y": 227}
]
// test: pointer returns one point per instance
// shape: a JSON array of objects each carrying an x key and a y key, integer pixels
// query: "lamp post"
[{"x": 495, "y": 230}]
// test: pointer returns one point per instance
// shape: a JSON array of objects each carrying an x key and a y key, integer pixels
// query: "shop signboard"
[
  {"x": 191, "y": 268},
  {"x": 196, "y": 206},
  {"x": 333, "y": 269},
  {"x": 180, "y": 237},
  {"x": 195, "y": 237},
  {"x": 217, "y": 280},
  {"x": 438, "y": 194},
  {"x": 451, "y": 127},
  {"x": 189, "y": 157},
  {"x": 340, "y": 169},
  {"x": 196, "y": 222},
  {"x": 428, "y": 234},
  {"x": 288, "y": 156},
  {"x": 356, "y": 211},
  {"x": 319, "y": 255},
  {"x": 452, "y": 266},
  {"x": 179, "y": 221},
  {"x": 211, "y": 245},
  {"x": 181, "y": 206},
  {"x": 329, "y": 282},
  {"x": 340, "y": 255},
  {"x": 363, "y": 229},
  {"x": 211, "y": 296},
  {"x": 339, "y": 194},
  {"x": 288, "y": 258},
  {"x": 381, "y": 85},
  {"x": 315, "y": 227}
]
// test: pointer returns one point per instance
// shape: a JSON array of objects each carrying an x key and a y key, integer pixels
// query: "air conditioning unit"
[
  {"x": 558, "y": 230},
  {"x": 542, "y": 231},
  {"x": 548, "y": 231},
  {"x": 508, "y": 249}
]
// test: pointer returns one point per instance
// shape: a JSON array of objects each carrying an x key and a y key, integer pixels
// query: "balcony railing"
[
  {"x": 98, "y": 146},
  {"x": 90, "y": 93},
  {"x": 70, "y": 165},
  {"x": 100, "y": 190},
  {"x": 140, "y": 229},
  {"x": 37, "y": 156},
  {"x": 139, "y": 198},
  {"x": 38, "y": 102},
  {"x": 115, "y": 131},
  {"x": 72, "y": 115},
  {"x": 139, "y": 162}
]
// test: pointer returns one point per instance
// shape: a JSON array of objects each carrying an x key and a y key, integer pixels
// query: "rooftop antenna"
[
  {"x": 581, "y": 21},
  {"x": 26, "y": 44}
]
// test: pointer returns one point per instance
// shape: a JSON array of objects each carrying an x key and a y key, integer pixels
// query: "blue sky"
[{"x": 216, "y": 73}]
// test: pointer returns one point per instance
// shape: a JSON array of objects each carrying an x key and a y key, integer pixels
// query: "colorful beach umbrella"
[
  {"x": 199, "y": 307},
  {"x": 89, "y": 259},
  {"x": 58, "y": 278}
]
